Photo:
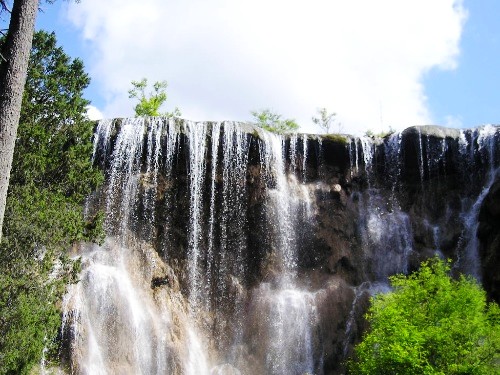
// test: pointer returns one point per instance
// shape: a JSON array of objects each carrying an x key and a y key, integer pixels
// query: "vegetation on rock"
[
  {"x": 326, "y": 120},
  {"x": 51, "y": 176},
  {"x": 382, "y": 134},
  {"x": 339, "y": 138},
  {"x": 430, "y": 324},
  {"x": 149, "y": 105},
  {"x": 273, "y": 122}
]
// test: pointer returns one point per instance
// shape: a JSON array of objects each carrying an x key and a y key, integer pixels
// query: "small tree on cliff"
[
  {"x": 430, "y": 324},
  {"x": 273, "y": 122},
  {"x": 149, "y": 105},
  {"x": 325, "y": 120}
]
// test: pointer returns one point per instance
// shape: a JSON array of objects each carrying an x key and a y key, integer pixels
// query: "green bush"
[
  {"x": 149, "y": 105},
  {"x": 273, "y": 122},
  {"x": 430, "y": 324}
]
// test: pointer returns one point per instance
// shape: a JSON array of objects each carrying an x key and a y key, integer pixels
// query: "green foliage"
[
  {"x": 430, "y": 324},
  {"x": 325, "y": 120},
  {"x": 273, "y": 122},
  {"x": 150, "y": 105},
  {"x": 28, "y": 317},
  {"x": 50, "y": 178}
]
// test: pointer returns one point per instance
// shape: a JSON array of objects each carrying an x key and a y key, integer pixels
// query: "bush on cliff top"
[{"x": 274, "y": 122}]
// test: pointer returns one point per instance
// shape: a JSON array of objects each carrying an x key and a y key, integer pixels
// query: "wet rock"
[{"x": 489, "y": 236}]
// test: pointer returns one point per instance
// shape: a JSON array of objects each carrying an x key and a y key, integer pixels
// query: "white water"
[
  {"x": 123, "y": 182},
  {"x": 197, "y": 155},
  {"x": 150, "y": 180},
  {"x": 304, "y": 157},
  {"x": 293, "y": 153},
  {"x": 483, "y": 147},
  {"x": 393, "y": 160},
  {"x": 119, "y": 326},
  {"x": 290, "y": 332},
  {"x": 281, "y": 221},
  {"x": 385, "y": 229},
  {"x": 211, "y": 221}
]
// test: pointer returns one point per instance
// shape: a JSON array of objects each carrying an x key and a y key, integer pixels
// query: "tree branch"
[{"x": 3, "y": 6}]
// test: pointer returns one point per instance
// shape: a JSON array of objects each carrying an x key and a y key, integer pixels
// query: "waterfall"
[
  {"x": 273, "y": 162},
  {"x": 293, "y": 152},
  {"x": 197, "y": 156},
  {"x": 304, "y": 157},
  {"x": 150, "y": 180},
  {"x": 290, "y": 334},
  {"x": 392, "y": 151},
  {"x": 385, "y": 229},
  {"x": 231, "y": 250},
  {"x": 483, "y": 147},
  {"x": 109, "y": 318},
  {"x": 124, "y": 175},
  {"x": 420, "y": 156},
  {"x": 211, "y": 251}
]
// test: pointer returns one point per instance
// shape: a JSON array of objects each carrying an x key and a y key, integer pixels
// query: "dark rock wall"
[{"x": 489, "y": 235}]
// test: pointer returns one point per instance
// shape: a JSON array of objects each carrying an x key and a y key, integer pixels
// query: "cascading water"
[
  {"x": 124, "y": 175},
  {"x": 197, "y": 138},
  {"x": 273, "y": 162},
  {"x": 153, "y": 155},
  {"x": 385, "y": 229},
  {"x": 113, "y": 313},
  {"x": 481, "y": 149},
  {"x": 231, "y": 250},
  {"x": 111, "y": 319},
  {"x": 289, "y": 331},
  {"x": 287, "y": 320}
]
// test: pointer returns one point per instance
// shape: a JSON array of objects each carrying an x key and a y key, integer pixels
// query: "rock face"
[
  {"x": 489, "y": 235},
  {"x": 273, "y": 246}
]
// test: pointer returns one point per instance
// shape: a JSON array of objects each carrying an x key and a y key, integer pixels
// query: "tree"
[
  {"x": 273, "y": 122},
  {"x": 430, "y": 324},
  {"x": 325, "y": 120},
  {"x": 51, "y": 176},
  {"x": 150, "y": 105},
  {"x": 13, "y": 68}
]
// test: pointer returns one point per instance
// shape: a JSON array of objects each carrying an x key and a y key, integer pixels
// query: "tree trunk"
[{"x": 12, "y": 80}]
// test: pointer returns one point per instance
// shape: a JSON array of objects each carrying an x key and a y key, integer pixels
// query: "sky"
[{"x": 376, "y": 64}]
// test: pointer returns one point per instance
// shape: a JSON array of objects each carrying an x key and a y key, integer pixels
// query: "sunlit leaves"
[
  {"x": 430, "y": 324},
  {"x": 274, "y": 122},
  {"x": 149, "y": 104}
]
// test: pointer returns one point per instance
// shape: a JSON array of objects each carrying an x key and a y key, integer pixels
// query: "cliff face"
[{"x": 274, "y": 245}]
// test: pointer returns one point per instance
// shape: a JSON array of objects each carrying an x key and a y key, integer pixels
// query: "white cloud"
[
  {"x": 363, "y": 59},
  {"x": 454, "y": 121},
  {"x": 93, "y": 113}
]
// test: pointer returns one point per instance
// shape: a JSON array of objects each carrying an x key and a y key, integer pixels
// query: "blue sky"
[
  {"x": 471, "y": 93},
  {"x": 453, "y": 81}
]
